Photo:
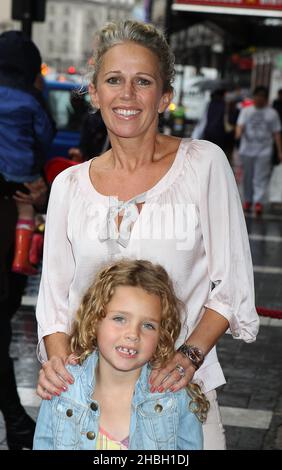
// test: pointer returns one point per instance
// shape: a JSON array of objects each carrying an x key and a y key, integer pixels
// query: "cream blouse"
[{"x": 191, "y": 223}]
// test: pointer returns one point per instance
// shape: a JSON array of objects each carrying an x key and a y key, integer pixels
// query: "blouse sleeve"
[
  {"x": 58, "y": 266},
  {"x": 226, "y": 243}
]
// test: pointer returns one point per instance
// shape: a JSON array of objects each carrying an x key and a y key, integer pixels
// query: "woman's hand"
[
  {"x": 175, "y": 375},
  {"x": 54, "y": 377}
]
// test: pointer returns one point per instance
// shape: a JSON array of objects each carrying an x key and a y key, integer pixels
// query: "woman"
[{"x": 182, "y": 211}]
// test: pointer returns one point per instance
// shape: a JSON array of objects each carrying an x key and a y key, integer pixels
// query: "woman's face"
[{"x": 129, "y": 90}]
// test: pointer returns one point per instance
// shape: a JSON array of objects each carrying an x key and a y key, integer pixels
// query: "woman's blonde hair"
[
  {"x": 144, "y": 34},
  {"x": 154, "y": 280}
]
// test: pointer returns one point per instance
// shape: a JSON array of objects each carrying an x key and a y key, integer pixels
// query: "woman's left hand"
[{"x": 175, "y": 375}]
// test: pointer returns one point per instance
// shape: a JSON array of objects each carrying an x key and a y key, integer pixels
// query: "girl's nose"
[{"x": 132, "y": 335}]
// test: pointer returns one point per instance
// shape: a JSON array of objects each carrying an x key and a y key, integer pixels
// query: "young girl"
[{"x": 127, "y": 323}]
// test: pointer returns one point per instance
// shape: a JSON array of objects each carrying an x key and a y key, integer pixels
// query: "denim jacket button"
[
  {"x": 94, "y": 406},
  {"x": 90, "y": 435},
  {"x": 158, "y": 408},
  {"x": 69, "y": 413}
]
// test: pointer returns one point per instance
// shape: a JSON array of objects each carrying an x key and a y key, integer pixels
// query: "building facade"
[{"x": 65, "y": 38}]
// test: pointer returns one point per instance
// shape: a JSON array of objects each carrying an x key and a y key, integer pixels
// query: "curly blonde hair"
[
  {"x": 136, "y": 273},
  {"x": 154, "y": 280},
  {"x": 199, "y": 404}
]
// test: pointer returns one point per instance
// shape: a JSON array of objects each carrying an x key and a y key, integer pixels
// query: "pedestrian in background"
[
  {"x": 25, "y": 132},
  {"x": 277, "y": 104},
  {"x": 258, "y": 126},
  {"x": 93, "y": 138},
  {"x": 214, "y": 130}
]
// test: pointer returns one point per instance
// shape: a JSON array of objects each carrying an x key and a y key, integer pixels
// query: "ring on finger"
[{"x": 180, "y": 370}]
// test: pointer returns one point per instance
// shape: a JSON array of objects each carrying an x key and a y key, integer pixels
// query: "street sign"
[
  {"x": 32, "y": 10},
  {"x": 269, "y": 8}
]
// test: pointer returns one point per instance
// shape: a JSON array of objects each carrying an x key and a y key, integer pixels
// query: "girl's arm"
[
  {"x": 43, "y": 436},
  {"x": 190, "y": 429}
]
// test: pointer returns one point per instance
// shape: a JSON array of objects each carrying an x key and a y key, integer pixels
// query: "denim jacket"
[{"x": 160, "y": 421}]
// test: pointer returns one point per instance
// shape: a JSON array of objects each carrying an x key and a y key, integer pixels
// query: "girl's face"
[
  {"x": 128, "y": 336},
  {"x": 129, "y": 90}
]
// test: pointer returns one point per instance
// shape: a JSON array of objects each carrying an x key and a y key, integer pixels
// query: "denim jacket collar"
[{"x": 88, "y": 378}]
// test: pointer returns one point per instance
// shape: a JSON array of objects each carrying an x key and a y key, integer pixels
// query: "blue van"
[{"x": 68, "y": 102}]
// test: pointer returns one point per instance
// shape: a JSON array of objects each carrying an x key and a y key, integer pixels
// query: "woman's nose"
[{"x": 128, "y": 91}]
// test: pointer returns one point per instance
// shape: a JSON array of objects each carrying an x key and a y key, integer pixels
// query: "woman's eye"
[
  {"x": 113, "y": 80},
  {"x": 143, "y": 82}
]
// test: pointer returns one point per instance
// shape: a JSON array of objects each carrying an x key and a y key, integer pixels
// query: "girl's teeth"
[{"x": 127, "y": 351}]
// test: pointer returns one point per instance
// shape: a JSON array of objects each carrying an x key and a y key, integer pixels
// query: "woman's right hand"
[{"x": 54, "y": 377}]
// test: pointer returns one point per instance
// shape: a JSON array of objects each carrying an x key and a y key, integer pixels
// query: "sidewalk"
[
  {"x": 253, "y": 390},
  {"x": 251, "y": 401}
]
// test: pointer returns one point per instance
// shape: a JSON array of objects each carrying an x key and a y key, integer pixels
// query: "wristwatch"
[{"x": 193, "y": 353}]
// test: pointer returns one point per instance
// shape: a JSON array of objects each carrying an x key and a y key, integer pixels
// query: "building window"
[
  {"x": 65, "y": 46},
  {"x": 50, "y": 46},
  {"x": 51, "y": 9}
]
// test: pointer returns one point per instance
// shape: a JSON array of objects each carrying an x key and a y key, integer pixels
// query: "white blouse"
[{"x": 191, "y": 223}]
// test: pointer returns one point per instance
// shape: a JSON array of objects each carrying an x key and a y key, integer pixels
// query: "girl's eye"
[
  {"x": 118, "y": 319},
  {"x": 149, "y": 326}
]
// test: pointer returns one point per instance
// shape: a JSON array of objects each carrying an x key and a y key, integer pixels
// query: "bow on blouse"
[{"x": 109, "y": 230}]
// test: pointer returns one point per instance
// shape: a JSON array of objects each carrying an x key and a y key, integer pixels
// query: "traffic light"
[{"x": 33, "y": 10}]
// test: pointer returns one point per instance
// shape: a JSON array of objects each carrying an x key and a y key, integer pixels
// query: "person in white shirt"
[
  {"x": 257, "y": 127},
  {"x": 168, "y": 200}
]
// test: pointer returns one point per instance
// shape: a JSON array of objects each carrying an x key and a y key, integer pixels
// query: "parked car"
[{"x": 68, "y": 102}]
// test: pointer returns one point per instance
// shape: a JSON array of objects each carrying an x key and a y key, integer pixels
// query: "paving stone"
[
  {"x": 262, "y": 404},
  {"x": 239, "y": 400},
  {"x": 232, "y": 434},
  {"x": 273, "y": 438},
  {"x": 275, "y": 322},
  {"x": 251, "y": 439},
  {"x": 238, "y": 386}
]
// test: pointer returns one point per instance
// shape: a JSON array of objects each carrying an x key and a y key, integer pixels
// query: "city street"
[
  {"x": 251, "y": 401},
  {"x": 120, "y": 78}
]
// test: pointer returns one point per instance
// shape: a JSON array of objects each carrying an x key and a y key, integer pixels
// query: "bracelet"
[{"x": 194, "y": 354}]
